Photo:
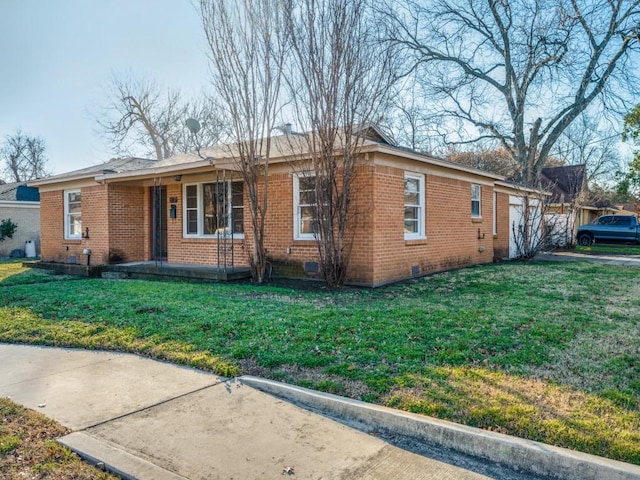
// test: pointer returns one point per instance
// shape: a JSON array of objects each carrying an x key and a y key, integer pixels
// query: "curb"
[
  {"x": 130, "y": 467},
  {"x": 520, "y": 454}
]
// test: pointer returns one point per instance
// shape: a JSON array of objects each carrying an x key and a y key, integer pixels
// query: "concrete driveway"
[
  {"x": 561, "y": 256},
  {"x": 152, "y": 420}
]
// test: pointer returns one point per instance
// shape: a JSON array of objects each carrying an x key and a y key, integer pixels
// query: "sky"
[{"x": 58, "y": 56}]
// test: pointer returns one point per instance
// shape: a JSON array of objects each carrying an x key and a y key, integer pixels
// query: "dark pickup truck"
[{"x": 610, "y": 228}]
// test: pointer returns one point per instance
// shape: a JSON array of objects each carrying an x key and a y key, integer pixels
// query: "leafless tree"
[
  {"x": 340, "y": 79},
  {"x": 143, "y": 117},
  {"x": 588, "y": 142},
  {"x": 24, "y": 157},
  {"x": 497, "y": 161},
  {"x": 408, "y": 121},
  {"x": 247, "y": 46},
  {"x": 519, "y": 72}
]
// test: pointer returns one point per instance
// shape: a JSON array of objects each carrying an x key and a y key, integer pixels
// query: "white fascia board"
[
  {"x": 17, "y": 203},
  {"x": 153, "y": 171}
]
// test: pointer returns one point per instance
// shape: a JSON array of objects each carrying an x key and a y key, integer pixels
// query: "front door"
[{"x": 158, "y": 223}]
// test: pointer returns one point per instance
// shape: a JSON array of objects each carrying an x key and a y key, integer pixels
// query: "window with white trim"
[
  {"x": 305, "y": 210},
  {"x": 414, "y": 224},
  {"x": 72, "y": 214},
  {"x": 476, "y": 207},
  {"x": 213, "y": 209}
]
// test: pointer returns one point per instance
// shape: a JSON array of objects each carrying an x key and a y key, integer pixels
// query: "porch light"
[{"x": 178, "y": 178}]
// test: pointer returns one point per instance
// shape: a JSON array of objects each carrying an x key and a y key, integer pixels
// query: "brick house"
[{"x": 413, "y": 214}]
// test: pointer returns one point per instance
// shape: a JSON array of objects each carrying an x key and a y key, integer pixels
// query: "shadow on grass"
[{"x": 13, "y": 272}]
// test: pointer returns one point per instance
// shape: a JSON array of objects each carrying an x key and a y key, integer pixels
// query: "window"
[
  {"x": 413, "y": 206},
  {"x": 305, "y": 209},
  {"x": 72, "y": 214},
  {"x": 620, "y": 220},
  {"x": 476, "y": 209},
  {"x": 212, "y": 209}
]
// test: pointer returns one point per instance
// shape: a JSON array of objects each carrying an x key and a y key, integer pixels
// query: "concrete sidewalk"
[{"x": 152, "y": 420}]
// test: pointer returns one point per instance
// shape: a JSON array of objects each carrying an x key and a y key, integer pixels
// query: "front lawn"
[{"x": 546, "y": 351}]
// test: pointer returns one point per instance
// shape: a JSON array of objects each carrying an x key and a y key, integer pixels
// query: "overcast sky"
[{"x": 56, "y": 56}]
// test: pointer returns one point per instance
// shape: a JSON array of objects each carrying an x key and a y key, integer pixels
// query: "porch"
[{"x": 152, "y": 269}]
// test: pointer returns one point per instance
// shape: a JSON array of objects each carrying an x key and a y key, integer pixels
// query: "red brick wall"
[
  {"x": 52, "y": 243},
  {"x": 380, "y": 254},
  {"x": 128, "y": 223},
  {"x": 454, "y": 239},
  {"x": 199, "y": 251},
  {"x": 115, "y": 216},
  {"x": 289, "y": 255},
  {"x": 94, "y": 216}
]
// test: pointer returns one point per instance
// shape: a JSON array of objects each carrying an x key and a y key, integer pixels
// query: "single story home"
[
  {"x": 413, "y": 214},
  {"x": 20, "y": 204}
]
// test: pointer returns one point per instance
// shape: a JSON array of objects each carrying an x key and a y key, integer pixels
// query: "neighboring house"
[
  {"x": 413, "y": 214},
  {"x": 570, "y": 204},
  {"x": 20, "y": 204}
]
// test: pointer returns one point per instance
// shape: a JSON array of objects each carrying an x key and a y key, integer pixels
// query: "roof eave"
[
  {"x": 153, "y": 171},
  {"x": 431, "y": 160},
  {"x": 58, "y": 179}
]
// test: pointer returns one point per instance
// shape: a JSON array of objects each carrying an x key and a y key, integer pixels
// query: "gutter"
[
  {"x": 153, "y": 171},
  {"x": 19, "y": 203}
]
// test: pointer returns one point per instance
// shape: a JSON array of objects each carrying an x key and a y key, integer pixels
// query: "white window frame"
[
  {"x": 494, "y": 223},
  {"x": 477, "y": 186},
  {"x": 297, "y": 234},
  {"x": 200, "y": 212},
  {"x": 421, "y": 233},
  {"x": 67, "y": 234}
]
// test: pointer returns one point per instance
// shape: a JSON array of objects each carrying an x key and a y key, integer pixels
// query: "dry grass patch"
[
  {"x": 28, "y": 448},
  {"x": 524, "y": 407},
  {"x": 22, "y": 325}
]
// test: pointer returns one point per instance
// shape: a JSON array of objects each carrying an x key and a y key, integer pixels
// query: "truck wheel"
[{"x": 585, "y": 240}]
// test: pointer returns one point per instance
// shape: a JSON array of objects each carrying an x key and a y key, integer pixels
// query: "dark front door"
[{"x": 158, "y": 223}]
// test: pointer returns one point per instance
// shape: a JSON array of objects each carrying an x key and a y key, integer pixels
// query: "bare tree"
[
  {"x": 497, "y": 161},
  {"x": 24, "y": 157},
  {"x": 519, "y": 72},
  {"x": 588, "y": 142},
  {"x": 408, "y": 121},
  {"x": 340, "y": 79},
  {"x": 143, "y": 117},
  {"x": 247, "y": 46}
]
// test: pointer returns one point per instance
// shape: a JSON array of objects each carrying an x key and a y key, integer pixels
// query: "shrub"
[{"x": 7, "y": 229}]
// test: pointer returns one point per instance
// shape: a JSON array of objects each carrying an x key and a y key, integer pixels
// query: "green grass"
[
  {"x": 13, "y": 272},
  {"x": 609, "y": 249},
  {"x": 546, "y": 351}
]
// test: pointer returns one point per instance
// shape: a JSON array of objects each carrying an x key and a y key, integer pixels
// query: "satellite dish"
[{"x": 193, "y": 125}]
